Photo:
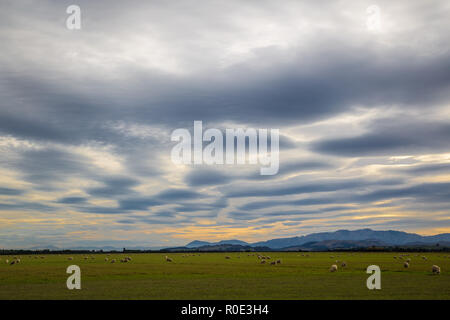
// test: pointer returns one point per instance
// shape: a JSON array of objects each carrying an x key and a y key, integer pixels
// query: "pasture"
[{"x": 213, "y": 276}]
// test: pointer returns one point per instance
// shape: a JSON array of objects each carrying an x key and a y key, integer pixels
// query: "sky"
[{"x": 86, "y": 118}]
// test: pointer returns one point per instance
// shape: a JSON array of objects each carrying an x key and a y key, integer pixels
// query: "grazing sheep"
[
  {"x": 395, "y": 257},
  {"x": 273, "y": 263},
  {"x": 406, "y": 265},
  {"x": 70, "y": 258},
  {"x": 113, "y": 261},
  {"x": 408, "y": 260},
  {"x": 435, "y": 269},
  {"x": 333, "y": 268},
  {"x": 343, "y": 264},
  {"x": 227, "y": 257},
  {"x": 168, "y": 259},
  {"x": 7, "y": 261},
  {"x": 424, "y": 258},
  {"x": 279, "y": 261},
  {"x": 106, "y": 259},
  {"x": 264, "y": 261}
]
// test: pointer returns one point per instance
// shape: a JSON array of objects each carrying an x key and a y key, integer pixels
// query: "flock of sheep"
[{"x": 263, "y": 260}]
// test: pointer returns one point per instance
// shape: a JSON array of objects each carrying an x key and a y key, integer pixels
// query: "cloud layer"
[{"x": 86, "y": 117}]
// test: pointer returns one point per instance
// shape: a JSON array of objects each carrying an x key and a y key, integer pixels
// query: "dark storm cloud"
[
  {"x": 312, "y": 87},
  {"x": 323, "y": 86}
]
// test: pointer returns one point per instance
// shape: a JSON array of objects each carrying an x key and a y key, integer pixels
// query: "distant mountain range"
[
  {"x": 344, "y": 238},
  {"x": 196, "y": 243},
  {"x": 341, "y": 239}
]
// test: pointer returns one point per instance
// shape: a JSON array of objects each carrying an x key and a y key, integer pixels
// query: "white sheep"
[
  {"x": 168, "y": 259},
  {"x": 406, "y": 265},
  {"x": 333, "y": 268},
  {"x": 436, "y": 269}
]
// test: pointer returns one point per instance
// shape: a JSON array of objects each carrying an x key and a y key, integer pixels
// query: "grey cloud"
[
  {"x": 45, "y": 166},
  {"x": 178, "y": 194},
  {"x": 72, "y": 200},
  {"x": 114, "y": 186},
  {"x": 325, "y": 185},
  {"x": 11, "y": 191},
  {"x": 391, "y": 138},
  {"x": 141, "y": 203},
  {"x": 439, "y": 192},
  {"x": 205, "y": 177}
]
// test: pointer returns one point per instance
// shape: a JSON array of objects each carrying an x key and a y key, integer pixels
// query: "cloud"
[
  {"x": 72, "y": 200},
  {"x": 325, "y": 185},
  {"x": 11, "y": 191},
  {"x": 205, "y": 177},
  {"x": 390, "y": 137},
  {"x": 114, "y": 186},
  {"x": 86, "y": 118}
]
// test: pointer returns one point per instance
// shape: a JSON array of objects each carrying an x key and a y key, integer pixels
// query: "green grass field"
[{"x": 211, "y": 276}]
